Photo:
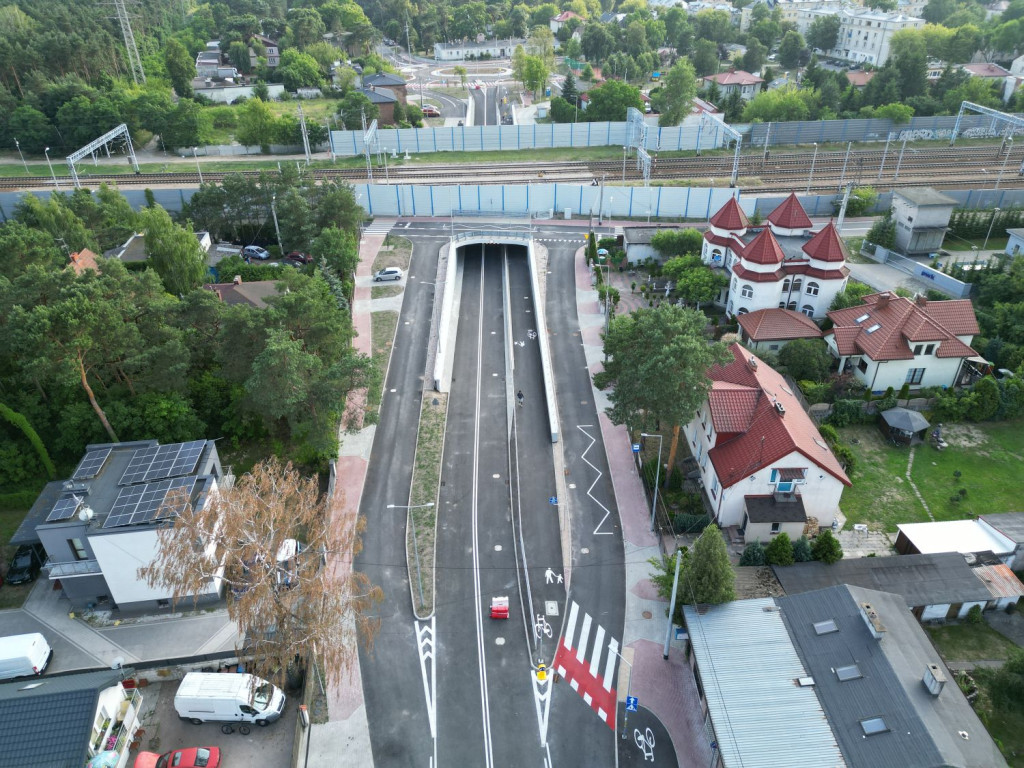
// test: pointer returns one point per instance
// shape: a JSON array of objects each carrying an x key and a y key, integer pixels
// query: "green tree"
[
  {"x": 569, "y": 90},
  {"x": 704, "y": 57},
  {"x": 257, "y": 123},
  {"x": 238, "y": 55},
  {"x": 337, "y": 248},
  {"x": 679, "y": 86},
  {"x": 187, "y": 125},
  {"x": 709, "y": 577},
  {"x": 541, "y": 44},
  {"x": 779, "y": 551},
  {"x": 174, "y": 252},
  {"x": 677, "y": 242},
  {"x": 180, "y": 68},
  {"x": 986, "y": 399},
  {"x": 755, "y": 57},
  {"x": 779, "y": 104},
  {"x": 657, "y": 361},
  {"x": 562, "y": 111},
  {"x": 695, "y": 283},
  {"x": 305, "y": 27},
  {"x": 597, "y": 42},
  {"x": 31, "y": 128},
  {"x": 460, "y": 71},
  {"x": 535, "y": 73},
  {"x": 353, "y": 107},
  {"x": 19, "y": 422},
  {"x": 299, "y": 70},
  {"x": 715, "y": 26},
  {"x": 823, "y": 32},
  {"x": 826, "y": 548},
  {"x": 851, "y": 296},
  {"x": 802, "y": 550},
  {"x": 298, "y": 226},
  {"x": 753, "y": 554},
  {"x": 806, "y": 359},
  {"x": 791, "y": 49},
  {"x": 609, "y": 101}
]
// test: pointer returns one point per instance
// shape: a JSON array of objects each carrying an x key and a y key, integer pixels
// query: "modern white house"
[
  {"x": 782, "y": 265},
  {"x": 735, "y": 81},
  {"x": 891, "y": 340},
  {"x": 101, "y": 525},
  {"x": 764, "y": 466},
  {"x": 864, "y": 34},
  {"x": 467, "y": 49}
]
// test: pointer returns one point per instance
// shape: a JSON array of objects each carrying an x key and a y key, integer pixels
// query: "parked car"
[
  {"x": 430, "y": 111},
  {"x": 299, "y": 258},
  {"x": 28, "y": 559},
  {"x": 255, "y": 252},
  {"x": 191, "y": 757},
  {"x": 388, "y": 273}
]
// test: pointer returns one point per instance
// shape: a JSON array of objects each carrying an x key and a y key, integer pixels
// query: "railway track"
[{"x": 969, "y": 166}]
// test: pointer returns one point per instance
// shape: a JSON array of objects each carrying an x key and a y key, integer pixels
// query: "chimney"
[
  {"x": 237, "y": 280},
  {"x": 934, "y": 679},
  {"x": 921, "y": 300},
  {"x": 883, "y": 300},
  {"x": 752, "y": 362},
  {"x": 874, "y": 623}
]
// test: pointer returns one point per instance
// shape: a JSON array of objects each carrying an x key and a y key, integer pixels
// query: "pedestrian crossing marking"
[{"x": 578, "y": 660}]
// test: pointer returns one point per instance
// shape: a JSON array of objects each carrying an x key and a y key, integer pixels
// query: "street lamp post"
[
  {"x": 629, "y": 689},
  {"x": 810, "y": 178},
  {"x": 277, "y": 228},
  {"x": 52, "y": 174},
  {"x": 22, "y": 156},
  {"x": 625, "y": 151},
  {"x": 415, "y": 546},
  {"x": 995, "y": 212},
  {"x": 657, "y": 478},
  {"x": 199, "y": 170},
  {"x": 672, "y": 603}
]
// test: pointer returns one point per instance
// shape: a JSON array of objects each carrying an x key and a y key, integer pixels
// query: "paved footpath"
[{"x": 664, "y": 687}]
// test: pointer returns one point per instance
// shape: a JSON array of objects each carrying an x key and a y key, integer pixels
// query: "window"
[
  {"x": 773, "y": 347},
  {"x": 915, "y": 375},
  {"x": 78, "y": 549},
  {"x": 873, "y": 726},
  {"x": 791, "y": 305},
  {"x": 714, "y": 488},
  {"x": 747, "y": 292},
  {"x": 862, "y": 365},
  {"x": 808, "y": 310},
  {"x": 776, "y": 527},
  {"x": 729, "y": 308},
  {"x": 917, "y": 349},
  {"x": 785, "y": 285},
  {"x": 825, "y": 627},
  {"x": 798, "y": 283},
  {"x": 782, "y": 305},
  {"x": 735, "y": 283},
  {"x": 861, "y": 319},
  {"x": 742, "y": 311},
  {"x": 812, "y": 289},
  {"x": 873, "y": 328},
  {"x": 847, "y": 673},
  {"x": 929, "y": 349}
]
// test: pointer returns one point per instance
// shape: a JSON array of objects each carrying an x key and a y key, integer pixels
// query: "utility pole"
[
  {"x": 842, "y": 209},
  {"x": 277, "y": 228},
  {"x": 408, "y": 45},
  {"x": 138, "y": 74},
  {"x": 305, "y": 133},
  {"x": 672, "y": 604}
]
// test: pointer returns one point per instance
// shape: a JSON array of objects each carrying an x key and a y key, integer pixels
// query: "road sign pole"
[{"x": 672, "y": 604}]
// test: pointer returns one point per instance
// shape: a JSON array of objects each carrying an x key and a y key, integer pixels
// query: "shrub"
[
  {"x": 815, "y": 392},
  {"x": 846, "y": 412},
  {"x": 780, "y": 551},
  {"x": 827, "y": 548},
  {"x": 753, "y": 554},
  {"x": 829, "y": 433},
  {"x": 686, "y": 523},
  {"x": 974, "y": 615},
  {"x": 802, "y": 550}
]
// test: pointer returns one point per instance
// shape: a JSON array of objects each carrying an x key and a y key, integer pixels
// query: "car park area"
[{"x": 164, "y": 731}]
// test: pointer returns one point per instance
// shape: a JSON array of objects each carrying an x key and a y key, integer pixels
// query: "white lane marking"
[
  {"x": 478, "y": 610},
  {"x": 607, "y": 512},
  {"x": 425, "y": 642},
  {"x": 581, "y": 649},
  {"x": 570, "y": 626},
  {"x": 596, "y": 658}
]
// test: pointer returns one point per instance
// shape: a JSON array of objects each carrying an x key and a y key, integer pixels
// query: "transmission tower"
[{"x": 129, "y": 42}]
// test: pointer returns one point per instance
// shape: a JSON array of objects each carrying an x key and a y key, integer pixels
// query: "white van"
[
  {"x": 205, "y": 697},
  {"x": 24, "y": 655}
]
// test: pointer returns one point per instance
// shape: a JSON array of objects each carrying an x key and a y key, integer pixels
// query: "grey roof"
[
  {"x": 920, "y": 579},
  {"x": 768, "y": 509},
  {"x": 51, "y": 723},
  {"x": 639, "y": 235},
  {"x": 1010, "y": 524},
  {"x": 748, "y": 668},
  {"x": 383, "y": 78},
  {"x": 905, "y": 419},
  {"x": 922, "y": 730},
  {"x": 925, "y": 196},
  {"x": 379, "y": 95}
]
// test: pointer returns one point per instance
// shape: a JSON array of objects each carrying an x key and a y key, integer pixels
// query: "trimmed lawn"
[
  {"x": 969, "y": 642},
  {"x": 986, "y": 455}
]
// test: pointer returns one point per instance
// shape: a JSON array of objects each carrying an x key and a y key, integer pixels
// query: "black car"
[{"x": 26, "y": 564}]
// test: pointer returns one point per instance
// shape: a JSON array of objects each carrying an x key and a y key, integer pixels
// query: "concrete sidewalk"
[{"x": 666, "y": 688}]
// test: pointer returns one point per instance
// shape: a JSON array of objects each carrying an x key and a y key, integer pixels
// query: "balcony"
[{"x": 71, "y": 568}]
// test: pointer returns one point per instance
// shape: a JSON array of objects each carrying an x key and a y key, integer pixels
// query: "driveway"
[{"x": 882, "y": 277}]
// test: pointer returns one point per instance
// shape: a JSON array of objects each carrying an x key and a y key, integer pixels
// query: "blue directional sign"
[
  {"x": 553, "y": 501},
  {"x": 636, "y": 447},
  {"x": 632, "y": 704}
]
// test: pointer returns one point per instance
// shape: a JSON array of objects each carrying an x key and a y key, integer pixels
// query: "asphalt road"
[
  {"x": 393, "y": 691},
  {"x": 484, "y": 111}
]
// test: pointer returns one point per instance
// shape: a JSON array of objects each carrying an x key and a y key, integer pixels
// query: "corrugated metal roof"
[
  {"x": 999, "y": 580},
  {"x": 748, "y": 669}
]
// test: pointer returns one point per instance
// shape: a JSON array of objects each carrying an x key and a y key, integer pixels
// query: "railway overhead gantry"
[{"x": 1009, "y": 125}]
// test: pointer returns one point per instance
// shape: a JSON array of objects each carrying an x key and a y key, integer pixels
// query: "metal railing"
[{"x": 71, "y": 568}]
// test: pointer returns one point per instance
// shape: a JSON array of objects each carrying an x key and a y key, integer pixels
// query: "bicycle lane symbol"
[
  {"x": 645, "y": 743},
  {"x": 542, "y": 627}
]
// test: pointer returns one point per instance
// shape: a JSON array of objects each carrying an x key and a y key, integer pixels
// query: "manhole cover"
[{"x": 647, "y": 615}]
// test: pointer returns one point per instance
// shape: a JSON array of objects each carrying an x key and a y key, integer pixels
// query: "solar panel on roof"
[
  {"x": 188, "y": 458},
  {"x": 160, "y": 467},
  {"x": 65, "y": 508},
  {"x": 124, "y": 507},
  {"x": 91, "y": 464},
  {"x": 138, "y": 466},
  {"x": 177, "y": 497}
]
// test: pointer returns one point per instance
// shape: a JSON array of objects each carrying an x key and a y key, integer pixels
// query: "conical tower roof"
[
  {"x": 827, "y": 245},
  {"x": 790, "y": 214},
  {"x": 764, "y": 249},
  {"x": 730, "y": 216}
]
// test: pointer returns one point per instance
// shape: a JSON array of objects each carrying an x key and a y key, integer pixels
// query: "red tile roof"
[
  {"x": 985, "y": 69},
  {"x": 790, "y": 214},
  {"x": 739, "y": 77},
  {"x": 764, "y": 249},
  {"x": 892, "y": 323},
  {"x": 745, "y": 395},
  {"x": 83, "y": 260},
  {"x": 778, "y": 324},
  {"x": 730, "y": 216},
  {"x": 826, "y": 245},
  {"x": 859, "y": 79},
  {"x": 566, "y": 15}
]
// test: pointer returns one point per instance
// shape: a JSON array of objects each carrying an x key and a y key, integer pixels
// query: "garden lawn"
[
  {"x": 988, "y": 457},
  {"x": 11, "y": 597},
  {"x": 969, "y": 642}
]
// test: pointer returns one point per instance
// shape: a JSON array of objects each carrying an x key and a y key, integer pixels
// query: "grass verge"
[
  {"x": 969, "y": 642},
  {"x": 396, "y": 252},
  {"x": 1005, "y": 722},
  {"x": 382, "y": 336},
  {"x": 420, "y": 536},
  {"x": 11, "y": 596}
]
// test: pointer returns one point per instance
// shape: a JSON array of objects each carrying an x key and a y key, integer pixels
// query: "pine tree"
[
  {"x": 709, "y": 577},
  {"x": 569, "y": 90},
  {"x": 802, "y": 550},
  {"x": 780, "y": 551},
  {"x": 827, "y": 548},
  {"x": 753, "y": 554}
]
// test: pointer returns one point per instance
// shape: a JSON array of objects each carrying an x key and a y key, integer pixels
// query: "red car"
[
  {"x": 192, "y": 757},
  {"x": 298, "y": 257},
  {"x": 428, "y": 111}
]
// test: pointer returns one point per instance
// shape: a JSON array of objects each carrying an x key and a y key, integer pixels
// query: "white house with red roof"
[
  {"x": 557, "y": 22},
  {"x": 764, "y": 465},
  {"x": 891, "y": 340},
  {"x": 782, "y": 265},
  {"x": 736, "y": 81}
]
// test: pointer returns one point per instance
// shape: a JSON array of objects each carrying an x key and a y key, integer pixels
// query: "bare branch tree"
[{"x": 288, "y": 600}]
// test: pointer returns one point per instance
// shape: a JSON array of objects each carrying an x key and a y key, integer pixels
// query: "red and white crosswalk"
[{"x": 578, "y": 660}]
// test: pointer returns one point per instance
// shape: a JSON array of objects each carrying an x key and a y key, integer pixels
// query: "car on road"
[
  {"x": 255, "y": 252},
  {"x": 298, "y": 258},
  {"x": 430, "y": 111},
  {"x": 28, "y": 559},
  {"x": 388, "y": 273},
  {"x": 192, "y": 757}
]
